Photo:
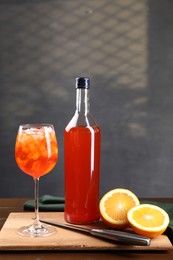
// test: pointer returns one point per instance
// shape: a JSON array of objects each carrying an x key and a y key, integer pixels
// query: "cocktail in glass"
[{"x": 36, "y": 153}]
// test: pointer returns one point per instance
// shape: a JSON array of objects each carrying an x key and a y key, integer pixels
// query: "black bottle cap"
[{"x": 83, "y": 82}]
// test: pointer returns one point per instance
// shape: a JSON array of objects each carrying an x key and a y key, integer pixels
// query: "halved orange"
[
  {"x": 114, "y": 206},
  {"x": 148, "y": 220}
]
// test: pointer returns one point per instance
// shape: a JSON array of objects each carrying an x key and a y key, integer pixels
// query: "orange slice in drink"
[
  {"x": 148, "y": 220},
  {"x": 114, "y": 206}
]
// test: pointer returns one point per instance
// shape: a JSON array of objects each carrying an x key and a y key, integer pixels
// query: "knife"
[{"x": 114, "y": 235}]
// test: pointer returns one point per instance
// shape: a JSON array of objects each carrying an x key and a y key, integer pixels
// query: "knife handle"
[{"x": 122, "y": 237}]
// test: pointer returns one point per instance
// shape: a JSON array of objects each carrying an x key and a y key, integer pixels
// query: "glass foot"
[{"x": 31, "y": 231}]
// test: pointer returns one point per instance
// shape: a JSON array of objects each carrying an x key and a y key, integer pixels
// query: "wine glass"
[{"x": 36, "y": 153}]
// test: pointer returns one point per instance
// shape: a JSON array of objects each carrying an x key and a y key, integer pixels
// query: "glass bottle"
[{"x": 82, "y": 161}]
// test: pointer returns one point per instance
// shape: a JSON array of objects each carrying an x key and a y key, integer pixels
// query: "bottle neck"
[{"x": 82, "y": 100}]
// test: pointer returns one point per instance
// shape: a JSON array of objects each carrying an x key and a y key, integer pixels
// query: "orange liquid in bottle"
[
  {"x": 82, "y": 173},
  {"x": 34, "y": 155}
]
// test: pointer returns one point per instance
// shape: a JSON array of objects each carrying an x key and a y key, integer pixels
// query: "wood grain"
[{"x": 63, "y": 239}]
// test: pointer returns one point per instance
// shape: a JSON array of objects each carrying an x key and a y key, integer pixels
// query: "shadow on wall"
[{"x": 119, "y": 44}]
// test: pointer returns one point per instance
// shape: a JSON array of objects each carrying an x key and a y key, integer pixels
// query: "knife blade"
[{"x": 108, "y": 234}]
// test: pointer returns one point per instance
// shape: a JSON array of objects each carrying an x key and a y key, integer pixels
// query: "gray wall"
[{"x": 126, "y": 47}]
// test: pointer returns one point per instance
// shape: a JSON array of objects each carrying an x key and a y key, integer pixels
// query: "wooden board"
[{"x": 64, "y": 239}]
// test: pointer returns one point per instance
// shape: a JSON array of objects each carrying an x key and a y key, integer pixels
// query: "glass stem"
[{"x": 37, "y": 223}]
